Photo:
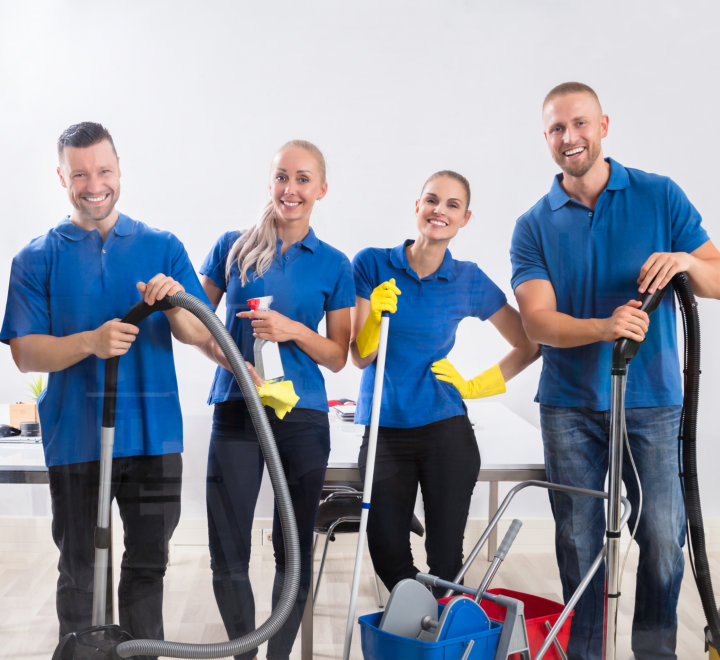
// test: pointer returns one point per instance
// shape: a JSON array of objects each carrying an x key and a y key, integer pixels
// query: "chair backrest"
[
  {"x": 343, "y": 508},
  {"x": 344, "y": 502}
]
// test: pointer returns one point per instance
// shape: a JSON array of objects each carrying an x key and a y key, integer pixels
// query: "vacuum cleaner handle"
[
  {"x": 137, "y": 313},
  {"x": 625, "y": 349}
]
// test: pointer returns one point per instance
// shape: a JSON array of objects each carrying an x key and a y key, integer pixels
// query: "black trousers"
[
  {"x": 147, "y": 491},
  {"x": 444, "y": 460},
  {"x": 235, "y": 469}
]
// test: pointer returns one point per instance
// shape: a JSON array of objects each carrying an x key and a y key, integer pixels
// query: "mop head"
[{"x": 279, "y": 396}]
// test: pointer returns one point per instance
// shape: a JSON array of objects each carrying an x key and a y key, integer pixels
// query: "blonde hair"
[{"x": 255, "y": 248}]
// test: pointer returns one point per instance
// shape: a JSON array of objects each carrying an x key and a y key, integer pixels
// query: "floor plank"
[{"x": 28, "y": 626}]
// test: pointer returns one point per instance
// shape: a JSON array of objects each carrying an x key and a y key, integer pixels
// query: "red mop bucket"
[{"x": 538, "y": 611}]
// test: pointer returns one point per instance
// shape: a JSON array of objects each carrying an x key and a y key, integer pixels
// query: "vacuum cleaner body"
[{"x": 96, "y": 643}]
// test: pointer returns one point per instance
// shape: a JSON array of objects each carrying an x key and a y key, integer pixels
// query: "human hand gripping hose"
[
  {"x": 105, "y": 641},
  {"x": 369, "y": 470}
]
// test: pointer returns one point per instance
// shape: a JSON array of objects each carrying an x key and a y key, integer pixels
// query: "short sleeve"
[
  {"x": 183, "y": 272},
  {"x": 364, "y": 274},
  {"x": 343, "y": 294},
  {"x": 688, "y": 234},
  {"x": 214, "y": 264},
  {"x": 488, "y": 298},
  {"x": 27, "y": 311},
  {"x": 526, "y": 255}
]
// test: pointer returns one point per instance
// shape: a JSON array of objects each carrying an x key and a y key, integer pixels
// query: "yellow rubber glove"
[
  {"x": 488, "y": 383},
  {"x": 382, "y": 299},
  {"x": 279, "y": 396}
]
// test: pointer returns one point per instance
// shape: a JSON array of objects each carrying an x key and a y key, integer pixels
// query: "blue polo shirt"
[
  {"x": 593, "y": 259},
  {"x": 311, "y": 278},
  {"x": 421, "y": 331},
  {"x": 69, "y": 281}
]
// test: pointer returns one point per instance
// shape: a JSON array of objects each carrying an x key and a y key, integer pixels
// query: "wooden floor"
[{"x": 28, "y": 626}]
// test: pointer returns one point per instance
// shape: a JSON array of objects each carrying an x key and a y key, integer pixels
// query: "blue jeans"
[
  {"x": 576, "y": 453},
  {"x": 234, "y": 474}
]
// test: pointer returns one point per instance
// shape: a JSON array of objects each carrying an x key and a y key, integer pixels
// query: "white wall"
[{"x": 199, "y": 95}]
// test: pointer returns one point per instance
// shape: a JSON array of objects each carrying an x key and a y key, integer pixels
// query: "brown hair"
[
  {"x": 453, "y": 175},
  {"x": 84, "y": 134},
  {"x": 566, "y": 88}
]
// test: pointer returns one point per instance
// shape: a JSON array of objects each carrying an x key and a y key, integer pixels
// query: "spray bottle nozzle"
[
  {"x": 260, "y": 304},
  {"x": 268, "y": 362}
]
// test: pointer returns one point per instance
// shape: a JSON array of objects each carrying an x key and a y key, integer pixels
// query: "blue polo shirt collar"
[
  {"x": 398, "y": 258},
  {"x": 618, "y": 180},
  {"x": 310, "y": 242},
  {"x": 68, "y": 229}
]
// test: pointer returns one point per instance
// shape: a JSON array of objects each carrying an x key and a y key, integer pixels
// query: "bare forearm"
[
  {"x": 187, "y": 328},
  {"x": 518, "y": 359},
  {"x": 327, "y": 352},
  {"x": 561, "y": 330},
  {"x": 211, "y": 349},
  {"x": 45, "y": 353},
  {"x": 704, "y": 276},
  {"x": 361, "y": 362}
]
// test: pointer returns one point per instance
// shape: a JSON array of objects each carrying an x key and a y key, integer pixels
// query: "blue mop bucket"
[{"x": 380, "y": 645}]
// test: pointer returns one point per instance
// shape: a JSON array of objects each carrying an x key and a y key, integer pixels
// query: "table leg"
[{"x": 492, "y": 510}]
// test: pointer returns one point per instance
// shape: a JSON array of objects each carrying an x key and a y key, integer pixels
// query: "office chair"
[{"x": 339, "y": 513}]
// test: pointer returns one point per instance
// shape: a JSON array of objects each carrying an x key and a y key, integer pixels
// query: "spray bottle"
[{"x": 267, "y": 353}]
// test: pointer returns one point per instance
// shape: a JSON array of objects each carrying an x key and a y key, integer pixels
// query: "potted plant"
[{"x": 26, "y": 411}]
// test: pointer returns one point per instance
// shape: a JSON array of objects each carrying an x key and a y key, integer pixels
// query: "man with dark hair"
[
  {"x": 67, "y": 291},
  {"x": 601, "y": 236},
  {"x": 84, "y": 134}
]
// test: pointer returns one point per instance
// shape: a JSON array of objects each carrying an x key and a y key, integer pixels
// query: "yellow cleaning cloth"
[{"x": 279, "y": 396}]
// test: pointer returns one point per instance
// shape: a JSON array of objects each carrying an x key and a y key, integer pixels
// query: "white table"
[
  {"x": 510, "y": 450},
  {"x": 22, "y": 462}
]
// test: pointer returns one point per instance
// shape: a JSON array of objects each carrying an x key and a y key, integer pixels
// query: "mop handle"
[
  {"x": 369, "y": 473},
  {"x": 500, "y": 555},
  {"x": 433, "y": 581},
  {"x": 480, "y": 592}
]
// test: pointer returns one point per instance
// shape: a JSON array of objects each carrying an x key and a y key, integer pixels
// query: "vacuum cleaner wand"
[
  {"x": 625, "y": 349},
  {"x": 108, "y": 642}
]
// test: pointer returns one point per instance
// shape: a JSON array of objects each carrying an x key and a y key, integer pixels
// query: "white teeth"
[
  {"x": 291, "y": 203},
  {"x": 572, "y": 152},
  {"x": 437, "y": 223},
  {"x": 95, "y": 199}
]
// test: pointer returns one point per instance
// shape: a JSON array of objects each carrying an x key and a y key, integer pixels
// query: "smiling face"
[
  {"x": 574, "y": 128},
  {"x": 297, "y": 180},
  {"x": 442, "y": 208},
  {"x": 91, "y": 176}
]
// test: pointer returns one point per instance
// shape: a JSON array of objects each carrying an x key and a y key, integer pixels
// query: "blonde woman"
[{"x": 308, "y": 279}]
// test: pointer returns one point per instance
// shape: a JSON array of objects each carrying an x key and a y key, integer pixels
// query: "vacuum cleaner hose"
[
  {"x": 275, "y": 471},
  {"x": 688, "y": 443}
]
